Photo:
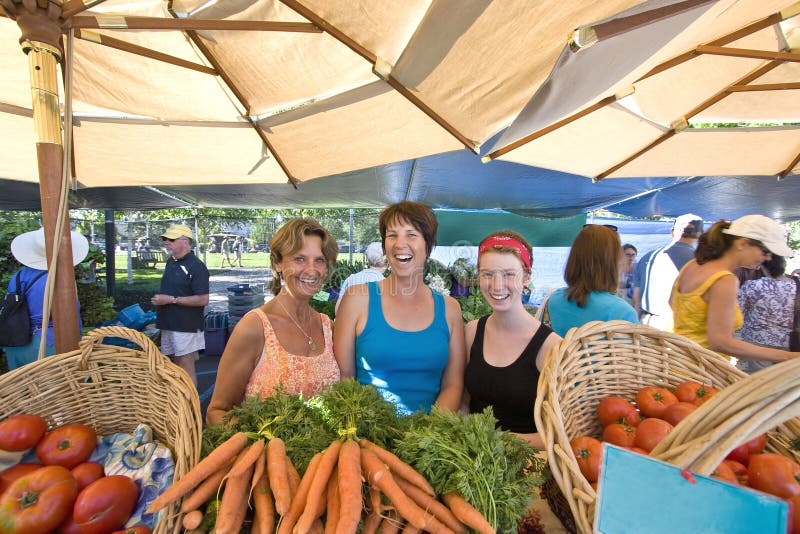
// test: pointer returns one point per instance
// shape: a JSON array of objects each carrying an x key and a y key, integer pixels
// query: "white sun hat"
[
  {"x": 29, "y": 249},
  {"x": 771, "y": 234}
]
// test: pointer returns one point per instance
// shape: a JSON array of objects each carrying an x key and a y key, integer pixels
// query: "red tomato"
[
  {"x": 638, "y": 450},
  {"x": 742, "y": 453},
  {"x": 87, "y": 472},
  {"x": 774, "y": 474},
  {"x": 724, "y": 472},
  {"x": 10, "y": 474},
  {"x": 739, "y": 469},
  {"x": 20, "y": 432},
  {"x": 653, "y": 400},
  {"x": 587, "y": 451},
  {"x": 650, "y": 432},
  {"x": 619, "y": 434},
  {"x": 675, "y": 413},
  {"x": 617, "y": 410},
  {"x": 67, "y": 445},
  {"x": 138, "y": 529},
  {"x": 38, "y": 502},
  {"x": 105, "y": 504}
]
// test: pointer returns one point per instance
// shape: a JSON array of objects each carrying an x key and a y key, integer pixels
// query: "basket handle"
[{"x": 94, "y": 337}]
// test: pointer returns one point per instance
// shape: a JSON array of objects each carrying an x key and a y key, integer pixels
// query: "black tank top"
[{"x": 509, "y": 390}]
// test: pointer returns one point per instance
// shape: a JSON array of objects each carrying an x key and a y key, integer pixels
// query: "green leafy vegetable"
[
  {"x": 493, "y": 470},
  {"x": 357, "y": 410}
]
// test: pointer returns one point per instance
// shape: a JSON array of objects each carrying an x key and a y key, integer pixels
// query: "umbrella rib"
[
  {"x": 111, "y": 42},
  {"x": 73, "y": 7},
  {"x": 546, "y": 130},
  {"x": 757, "y": 73},
  {"x": 346, "y": 40},
  {"x": 785, "y": 172},
  {"x": 748, "y": 53},
  {"x": 203, "y": 49},
  {"x": 156, "y": 23},
  {"x": 765, "y": 87},
  {"x": 719, "y": 42}
]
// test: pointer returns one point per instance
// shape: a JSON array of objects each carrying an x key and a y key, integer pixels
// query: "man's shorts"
[{"x": 182, "y": 343}]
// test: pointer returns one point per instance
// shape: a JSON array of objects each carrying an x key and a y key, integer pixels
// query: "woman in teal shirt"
[
  {"x": 397, "y": 334},
  {"x": 592, "y": 277}
]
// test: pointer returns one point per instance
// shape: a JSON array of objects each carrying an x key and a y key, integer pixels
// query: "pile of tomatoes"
[
  {"x": 659, "y": 410},
  {"x": 65, "y": 493}
]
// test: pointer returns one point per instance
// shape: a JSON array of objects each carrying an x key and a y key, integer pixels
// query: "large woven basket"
[
  {"x": 609, "y": 358},
  {"x": 113, "y": 389},
  {"x": 765, "y": 402}
]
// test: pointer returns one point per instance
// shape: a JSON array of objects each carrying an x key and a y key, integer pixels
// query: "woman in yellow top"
[{"x": 704, "y": 297}]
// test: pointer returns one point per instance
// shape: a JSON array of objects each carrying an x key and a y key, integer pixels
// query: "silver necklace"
[{"x": 311, "y": 345}]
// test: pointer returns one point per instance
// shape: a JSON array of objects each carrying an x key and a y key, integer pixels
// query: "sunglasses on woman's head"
[{"x": 611, "y": 226}]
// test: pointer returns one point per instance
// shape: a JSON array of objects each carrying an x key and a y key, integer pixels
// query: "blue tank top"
[{"x": 406, "y": 367}]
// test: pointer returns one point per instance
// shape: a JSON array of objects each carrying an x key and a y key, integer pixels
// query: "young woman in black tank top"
[{"x": 507, "y": 348}]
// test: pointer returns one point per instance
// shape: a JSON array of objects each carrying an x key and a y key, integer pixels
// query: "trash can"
[
  {"x": 241, "y": 299},
  {"x": 216, "y": 333}
]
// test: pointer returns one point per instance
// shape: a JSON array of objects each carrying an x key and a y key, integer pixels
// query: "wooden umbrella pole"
[{"x": 41, "y": 34}]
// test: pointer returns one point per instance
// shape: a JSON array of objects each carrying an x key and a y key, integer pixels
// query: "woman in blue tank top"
[{"x": 397, "y": 334}]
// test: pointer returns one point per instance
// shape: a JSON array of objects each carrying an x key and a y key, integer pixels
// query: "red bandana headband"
[{"x": 505, "y": 241}]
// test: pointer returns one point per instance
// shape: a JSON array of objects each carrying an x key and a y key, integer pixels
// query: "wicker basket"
[
  {"x": 765, "y": 402},
  {"x": 113, "y": 389},
  {"x": 601, "y": 359}
]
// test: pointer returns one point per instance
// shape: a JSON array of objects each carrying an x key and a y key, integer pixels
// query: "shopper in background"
[
  {"x": 767, "y": 305},
  {"x": 704, "y": 297},
  {"x": 30, "y": 250},
  {"x": 656, "y": 272},
  {"x": 181, "y": 300},
  {"x": 592, "y": 277},
  {"x": 283, "y": 343},
  {"x": 398, "y": 334},
  {"x": 626, "y": 275},
  {"x": 376, "y": 266},
  {"x": 506, "y": 349}
]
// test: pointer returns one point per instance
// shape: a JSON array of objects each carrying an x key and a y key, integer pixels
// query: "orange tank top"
[{"x": 307, "y": 375}]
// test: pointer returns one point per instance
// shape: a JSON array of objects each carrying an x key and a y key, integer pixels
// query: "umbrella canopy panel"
[{"x": 732, "y": 63}]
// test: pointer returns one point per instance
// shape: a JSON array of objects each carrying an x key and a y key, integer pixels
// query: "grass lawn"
[{"x": 249, "y": 259}]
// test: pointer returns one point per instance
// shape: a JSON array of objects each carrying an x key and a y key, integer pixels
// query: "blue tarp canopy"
[{"x": 458, "y": 180}]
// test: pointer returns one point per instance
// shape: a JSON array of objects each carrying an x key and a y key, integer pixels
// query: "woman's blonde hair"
[
  {"x": 593, "y": 263},
  {"x": 289, "y": 239}
]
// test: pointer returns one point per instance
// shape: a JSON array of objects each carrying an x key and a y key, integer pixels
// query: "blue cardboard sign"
[{"x": 638, "y": 494}]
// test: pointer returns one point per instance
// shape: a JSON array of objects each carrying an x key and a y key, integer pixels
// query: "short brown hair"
[
  {"x": 416, "y": 214},
  {"x": 510, "y": 250},
  {"x": 593, "y": 263},
  {"x": 289, "y": 239},
  {"x": 714, "y": 243}
]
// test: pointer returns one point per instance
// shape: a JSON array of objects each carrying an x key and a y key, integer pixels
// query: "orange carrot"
[
  {"x": 294, "y": 476},
  {"x": 318, "y": 485},
  {"x": 371, "y": 523},
  {"x": 192, "y": 520},
  {"x": 299, "y": 501},
  {"x": 379, "y": 476},
  {"x": 390, "y": 524},
  {"x": 258, "y": 469},
  {"x": 279, "y": 474},
  {"x": 264, "y": 518},
  {"x": 399, "y": 467},
  {"x": 411, "y": 529},
  {"x": 429, "y": 504},
  {"x": 375, "y": 499},
  {"x": 200, "y": 472},
  {"x": 317, "y": 527},
  {"x": 233, "y": 507},
  {"x": 349, "y": 488},
  {"x": 248, "y": 459},
  {"x": 467, "y": 514},
  {"x": 333, "y": 502},
  {"x": 206, "y": 490}
]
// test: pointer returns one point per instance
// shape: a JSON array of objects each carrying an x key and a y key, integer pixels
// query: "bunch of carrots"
[{"x": 397, "y": 497}]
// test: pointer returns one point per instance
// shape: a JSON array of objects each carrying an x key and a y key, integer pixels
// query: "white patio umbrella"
[
  {"x": 650, "y": 77},
  {"x": 260, "y": 91}
]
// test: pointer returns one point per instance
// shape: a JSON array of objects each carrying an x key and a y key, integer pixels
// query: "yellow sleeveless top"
[{"x": 690, "y": 310}]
